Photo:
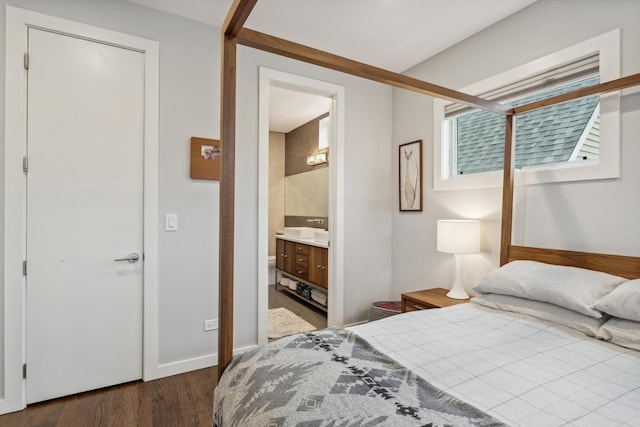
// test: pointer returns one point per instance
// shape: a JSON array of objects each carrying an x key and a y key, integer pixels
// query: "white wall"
[
  {"x": 367, "y": 189},
  {"x": 189, "y": 106},
  {"x": 591, "y": 216}
]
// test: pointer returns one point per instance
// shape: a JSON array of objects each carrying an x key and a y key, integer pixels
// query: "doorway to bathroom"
[
  {"x": 300, "y": 205},
  {"x": 298, "y": 210}
]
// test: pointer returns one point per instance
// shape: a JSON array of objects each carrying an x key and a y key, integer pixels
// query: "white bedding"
[{"x": 523, "y": 371}]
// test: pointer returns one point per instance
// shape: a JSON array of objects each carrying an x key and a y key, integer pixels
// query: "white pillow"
[
  {"x": 623, "y": 301},
  {"x": 625, "y": 333},
  {"x": 542, "y": 310},
  {"x": 573, "y": 288}
]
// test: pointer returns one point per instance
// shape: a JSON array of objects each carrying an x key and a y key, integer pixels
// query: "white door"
[{"x": 84, "y": 211}]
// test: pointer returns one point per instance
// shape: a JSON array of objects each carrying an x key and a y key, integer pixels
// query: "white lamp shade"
[{"x": 458, "y": 236}]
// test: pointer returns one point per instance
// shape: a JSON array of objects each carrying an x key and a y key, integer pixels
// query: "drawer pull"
[{"x": 420, "y": 307}]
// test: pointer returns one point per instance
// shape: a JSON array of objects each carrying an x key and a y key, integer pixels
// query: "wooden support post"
[
  {"x": 507, "y": 188},
  {"x": 238, "y": 14},
  {"x": 227, "y": 202}
]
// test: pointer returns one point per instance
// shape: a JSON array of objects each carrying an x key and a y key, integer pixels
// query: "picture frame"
[
  {"x": 410, "y": 176},
  {"x": 205, "y": 158}
]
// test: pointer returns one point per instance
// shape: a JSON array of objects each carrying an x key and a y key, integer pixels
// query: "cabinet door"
[
  {"x": 280, "y": 245},
  {"x": 289, "y": 256},
  {"x": 285, "y": 255},
  {"x": 324, "y": 266},
  {"x": 318, "y": 266}
]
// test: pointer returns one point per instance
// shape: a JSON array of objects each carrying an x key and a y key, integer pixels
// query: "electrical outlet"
[{"x": 210, "y": 325}]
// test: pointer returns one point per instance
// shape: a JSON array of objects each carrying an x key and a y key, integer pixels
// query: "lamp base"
[
  {"x": 457, "y": 294},
  {"x": 457, "y": 290}
]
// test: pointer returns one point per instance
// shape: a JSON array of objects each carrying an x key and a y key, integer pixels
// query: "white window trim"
[
  {"x": 585, "y": 134},
  {"x": 608, "y": 166}
]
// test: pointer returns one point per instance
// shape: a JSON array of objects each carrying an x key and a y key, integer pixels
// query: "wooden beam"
[
  {"x": 310, "y": 55},
  {"x": 237, "y": 16},
  {"x": 227, "y": 202},
  {"x": 610, "y": 86},
  {"x": 618, "y": 265},
  {"x": 507, "y": 188}
]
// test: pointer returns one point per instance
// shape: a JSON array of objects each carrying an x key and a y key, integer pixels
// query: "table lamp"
[{"x": 458, "y": 236}]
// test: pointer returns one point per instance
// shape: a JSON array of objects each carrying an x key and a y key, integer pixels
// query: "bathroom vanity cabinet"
[
  {"x": 318, "y": 266},
  {"x": 303, "y": 262}
]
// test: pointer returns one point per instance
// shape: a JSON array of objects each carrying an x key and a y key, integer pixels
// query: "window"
[
  {"x": 563, "y": 142},
  {"x": 323, "y": 133},
  {"x": 550, "y": 135}
]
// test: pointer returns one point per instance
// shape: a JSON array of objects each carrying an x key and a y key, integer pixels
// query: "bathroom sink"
[
  {"x": 300, "y": 232},
  {"x": 321, "y": 236}
]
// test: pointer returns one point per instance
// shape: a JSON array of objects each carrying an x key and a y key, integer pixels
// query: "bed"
[
  {"x": 552, "y": 355},
  {"x": 542, "y": 345}
]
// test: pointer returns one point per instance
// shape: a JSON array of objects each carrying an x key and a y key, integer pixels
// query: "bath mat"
[{"x": 282, "y": 323}]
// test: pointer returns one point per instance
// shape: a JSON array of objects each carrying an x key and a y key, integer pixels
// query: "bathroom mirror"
[{"x": 307, "y": 193}]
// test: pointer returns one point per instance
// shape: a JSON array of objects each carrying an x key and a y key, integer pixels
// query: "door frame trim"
[
  {"x": 269, "y": 77},
  {"x": 17, "y": 23}
]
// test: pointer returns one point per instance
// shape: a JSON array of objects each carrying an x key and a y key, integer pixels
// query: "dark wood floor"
[
  {"x": 181, "y": 400},
  {"x": 309, "y": 313}
]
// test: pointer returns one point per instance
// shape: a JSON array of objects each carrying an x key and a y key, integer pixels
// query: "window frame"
[{"x": 607, "y": 45}]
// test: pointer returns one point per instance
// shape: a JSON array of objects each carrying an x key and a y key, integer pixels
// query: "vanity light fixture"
[{"x": 316, "y": 159}]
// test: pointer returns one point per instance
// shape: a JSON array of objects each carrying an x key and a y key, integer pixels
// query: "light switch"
[{"x": 171, "y": 222}]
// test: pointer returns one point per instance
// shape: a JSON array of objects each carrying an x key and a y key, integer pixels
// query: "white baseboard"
[
  {"x": 241, "y": 350},
  {"x": 188, "y": 365},
  {"x": 7, "y": 406},
  {"x": 356, "y": 323}
]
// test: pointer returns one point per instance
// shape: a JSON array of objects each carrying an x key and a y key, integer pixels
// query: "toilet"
[{"x": 272, "y": 270}]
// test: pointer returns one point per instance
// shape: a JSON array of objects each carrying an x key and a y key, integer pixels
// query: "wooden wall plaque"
[{"x": 205, "y": 158}]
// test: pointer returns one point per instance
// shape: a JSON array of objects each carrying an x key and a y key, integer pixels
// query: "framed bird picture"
[{"x": 410, "y": 176}]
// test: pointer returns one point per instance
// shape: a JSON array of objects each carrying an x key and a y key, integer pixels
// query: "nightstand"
[{"x": 429, "y": 298}]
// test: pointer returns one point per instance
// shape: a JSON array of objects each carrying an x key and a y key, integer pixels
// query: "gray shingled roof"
[{"x": 547, "y": 135}]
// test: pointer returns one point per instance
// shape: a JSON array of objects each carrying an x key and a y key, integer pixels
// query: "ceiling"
[
  {"x": 390, "y": 34},
  {"x": 288, "y": 109}
]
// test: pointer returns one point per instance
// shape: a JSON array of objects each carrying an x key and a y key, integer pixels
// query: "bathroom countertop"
[{"x": 311, "y": 242}]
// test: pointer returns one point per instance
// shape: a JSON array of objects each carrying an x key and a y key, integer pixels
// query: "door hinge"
[
  {"x": 24, "y": 371},
  {"x": 26, "y": 61},
  {"x": 25, "y": 164},
  {"x": 24, "y": 268}
]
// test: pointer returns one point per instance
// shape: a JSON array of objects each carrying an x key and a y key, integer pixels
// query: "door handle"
[{"x": 132, "y": 257}]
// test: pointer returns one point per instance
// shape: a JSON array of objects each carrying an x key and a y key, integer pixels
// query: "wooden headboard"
[{"x": 624, "y": 266}]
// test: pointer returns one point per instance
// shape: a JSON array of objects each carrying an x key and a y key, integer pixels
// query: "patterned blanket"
[{"x": 332, "y": 378}]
